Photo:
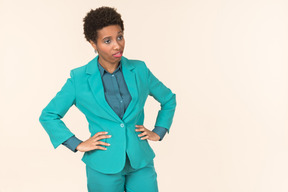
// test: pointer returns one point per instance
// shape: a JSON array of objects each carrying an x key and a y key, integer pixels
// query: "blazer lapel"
[
  {"x": 96, "y": 85},
  {"x": 130, "y": 79}
]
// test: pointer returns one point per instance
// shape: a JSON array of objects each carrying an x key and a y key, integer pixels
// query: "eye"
[
  {"x": 120, "y": 37},
  {"x": 107, "y": 41}
]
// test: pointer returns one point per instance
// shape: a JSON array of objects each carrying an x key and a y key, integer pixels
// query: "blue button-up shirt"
[{"x": 117, "y": 96}]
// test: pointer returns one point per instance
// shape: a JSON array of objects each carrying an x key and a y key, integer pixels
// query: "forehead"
[{"x": 109, "y": 31}]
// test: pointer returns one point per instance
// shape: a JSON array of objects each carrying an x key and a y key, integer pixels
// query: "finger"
[
  {"x": 102, "y": 143},
  {"x": 99, "y": 133},
  {"x": 139, "y": 126},
  {"x": 100, "y": 148},
  {"x": 140, "y": 129},
  {"x": 142, "y": 134},
  {"x": 146, "y": 137},
  {"x": 102, "y": 137}
]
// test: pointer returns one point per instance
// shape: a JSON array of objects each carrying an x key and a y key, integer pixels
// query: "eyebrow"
[{"x": 110, "y": 36}]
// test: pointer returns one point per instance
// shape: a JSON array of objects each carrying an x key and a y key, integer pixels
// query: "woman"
[{"x": 111, "y": 91}]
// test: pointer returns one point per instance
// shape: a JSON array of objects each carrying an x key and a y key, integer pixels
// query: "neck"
[{"x": 110, "y": 67}]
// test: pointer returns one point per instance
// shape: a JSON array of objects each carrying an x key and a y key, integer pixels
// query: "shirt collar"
[{"x": 103, "y": 71}]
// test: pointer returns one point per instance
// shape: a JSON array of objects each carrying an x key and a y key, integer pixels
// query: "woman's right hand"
[{"x": 93, "y": 142}]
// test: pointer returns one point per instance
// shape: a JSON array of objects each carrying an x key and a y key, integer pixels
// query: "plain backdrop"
[{"x": 226, "y": 60}]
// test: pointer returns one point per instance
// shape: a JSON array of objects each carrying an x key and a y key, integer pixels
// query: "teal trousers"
[{"x": 128, "y": 180}]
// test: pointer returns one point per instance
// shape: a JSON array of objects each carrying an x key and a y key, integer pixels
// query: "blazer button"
[{"x": 122, "y": 125}]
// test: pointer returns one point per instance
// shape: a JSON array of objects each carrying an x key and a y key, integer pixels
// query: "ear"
[{"x": 93, "y": 44}]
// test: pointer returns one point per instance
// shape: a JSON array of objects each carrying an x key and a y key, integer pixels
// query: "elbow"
[
  {"x": 170, "y": 103},
  {"x": 42, "y": 117},
  {"x": 48, "y": 116},
  {"x": 173, "y": 101}
]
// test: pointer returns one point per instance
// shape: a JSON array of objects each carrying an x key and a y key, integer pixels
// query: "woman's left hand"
[{"x": 150, "y": 135}]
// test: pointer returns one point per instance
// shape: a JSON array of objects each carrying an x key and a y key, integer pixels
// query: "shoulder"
[
  {"x": 85, "y": 69},
  {"x": 79, "y": 70},
  {"x": 134, "y": 63}
]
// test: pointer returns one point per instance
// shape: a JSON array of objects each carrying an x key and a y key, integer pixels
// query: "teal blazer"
[{"x": 84, "y": 89}]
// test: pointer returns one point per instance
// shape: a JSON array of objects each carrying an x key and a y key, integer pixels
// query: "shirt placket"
[{"x": 118, "y": 94}]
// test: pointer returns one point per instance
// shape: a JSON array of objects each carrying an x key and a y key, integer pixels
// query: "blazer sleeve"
[
  {"x": 52, "y": 114},
  {"x": 166, "y": 98}
]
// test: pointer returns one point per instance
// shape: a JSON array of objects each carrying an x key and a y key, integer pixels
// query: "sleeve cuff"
[
  {"x": 161, "y": 131},
  {"x": 72, "y": 143}
]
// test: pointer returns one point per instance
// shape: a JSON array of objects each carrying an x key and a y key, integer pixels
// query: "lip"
[{"x": 118, "y": 54}]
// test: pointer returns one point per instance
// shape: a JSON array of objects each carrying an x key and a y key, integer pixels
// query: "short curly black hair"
[{"x": 99, "y": 18}]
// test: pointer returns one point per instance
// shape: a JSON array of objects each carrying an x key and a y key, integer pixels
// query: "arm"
[
  {"x": 52, "y": 114},
  {"x": 165, "y": 115},
  {"x": 166, "y": 98}
]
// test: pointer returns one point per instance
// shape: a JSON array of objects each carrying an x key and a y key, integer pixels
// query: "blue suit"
[{"x": 85, "y": 90}]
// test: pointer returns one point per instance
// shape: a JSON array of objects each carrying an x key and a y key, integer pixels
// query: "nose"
[{"x": 116, "y": 46}]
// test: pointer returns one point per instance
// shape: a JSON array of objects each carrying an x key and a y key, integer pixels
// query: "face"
[{"x": 109, "y": 44}]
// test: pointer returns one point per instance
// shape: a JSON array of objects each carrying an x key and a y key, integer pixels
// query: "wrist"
[{"x": 79, "y": 146}]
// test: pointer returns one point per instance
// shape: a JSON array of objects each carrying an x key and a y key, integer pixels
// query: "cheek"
[
  {"x": 123, "y": 43},
  {"x": 104, "y": 50}
]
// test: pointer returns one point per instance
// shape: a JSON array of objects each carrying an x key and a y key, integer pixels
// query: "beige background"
[{"x": 226, "y": 60}]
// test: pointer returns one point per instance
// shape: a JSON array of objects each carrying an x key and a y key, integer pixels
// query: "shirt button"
[
  {"x": 121, "y": 101},
  {"x": 113, "y": 75},
  {"x": 122, "y": 125}
]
